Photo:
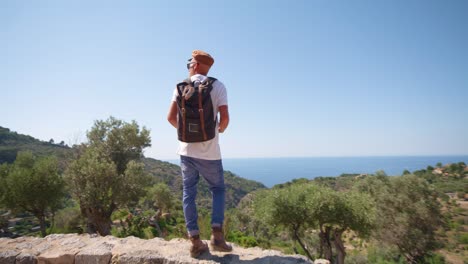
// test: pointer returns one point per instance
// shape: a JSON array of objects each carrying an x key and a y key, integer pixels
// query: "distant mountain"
[
  {"x": 236, "y": 187},
  {"x": 12, "y": 142}
]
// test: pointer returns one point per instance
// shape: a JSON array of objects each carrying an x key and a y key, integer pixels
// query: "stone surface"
[
  {"x": 321, "y": 261},
  {"x": 98, "y": 253},
  {"x": 8, "y": 256},
  {"x": 81, "y": 249},
  {"x": 26, "y": 258}
]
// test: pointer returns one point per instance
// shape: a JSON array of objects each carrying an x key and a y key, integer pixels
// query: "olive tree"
[
  {"x": 413, "y": 212},
  {"x": 33, "y": 185},
  {"x": 287, "y": 207},
  {"x": 163, "y": 197},
  {"x": 302, "y": 206},
  {"x": 107, "y": 175}
]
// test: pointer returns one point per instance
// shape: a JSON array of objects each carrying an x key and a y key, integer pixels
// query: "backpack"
[{"x": 196, "y": 120}]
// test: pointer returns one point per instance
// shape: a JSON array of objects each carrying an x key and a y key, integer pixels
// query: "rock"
[
  {"x": 321, "y": 261},
  {"x": 84, "y": 249},
  {"x": 99, "y": 253},
  {"x": 56, "y": 256},
  {"x": 8, "y": 256},
  {"x": 26, "y": 258}
]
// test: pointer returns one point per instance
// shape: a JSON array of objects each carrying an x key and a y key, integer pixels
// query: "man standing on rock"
[{"x": 194, "y": 110}]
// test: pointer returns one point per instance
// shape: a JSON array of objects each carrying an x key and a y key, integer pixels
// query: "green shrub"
[
  {"x": 463, "y": 238},
  {"x": 133, "y": 226},
  {"x": 120, "y": 214},
  {"x": 383, "y": 255},
  {"x": 68, "y": 220},
  {"x": 241, "y": 239},
  {"x": 434, "y": 259},
  {"x": 356, "y": 259}
]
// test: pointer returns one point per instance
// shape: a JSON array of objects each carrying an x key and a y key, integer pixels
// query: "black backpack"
[{"x": 196, "y": 120}]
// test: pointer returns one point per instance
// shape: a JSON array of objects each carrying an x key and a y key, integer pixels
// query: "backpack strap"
[
  {"x": 184, "y": 115},
  {"x": 201, "y": 114},
  {"x": 208, "y": 85}
]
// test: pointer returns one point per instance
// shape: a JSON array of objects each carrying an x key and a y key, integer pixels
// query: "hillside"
[
  {"x": 236, "y": 187},
  {"x": 11, "y": 143}
]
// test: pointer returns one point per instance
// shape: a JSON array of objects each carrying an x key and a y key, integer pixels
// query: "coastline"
[{"x": 271, "y": 171}]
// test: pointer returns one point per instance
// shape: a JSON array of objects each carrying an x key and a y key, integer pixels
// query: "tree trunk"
[
  {"x": 52, "y": 222},
  {"x": 325, "y": 244},
  {"x": 42, "y": 224},
  {"x": 153, "y": 221},
  {"x": 340, "y": 248},
  {"x": 296, "y": 236},
  {"x": 98, "y": 222}
]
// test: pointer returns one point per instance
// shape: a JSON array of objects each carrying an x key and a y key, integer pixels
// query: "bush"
[
  {"x": 133, "y": 226},
  {"x": 357, "y": 259},
  {"x": 242, "y": 239},
  {"x": 68, "y": 220},
  {"x": 434, "y": 259},
  {"x": 463, "y": 238},
  {"x": 383, "y": 255},
  {"x": 120, "y": 214}
]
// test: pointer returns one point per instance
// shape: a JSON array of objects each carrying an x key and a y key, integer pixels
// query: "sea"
[{"x": 272, "y": 171}]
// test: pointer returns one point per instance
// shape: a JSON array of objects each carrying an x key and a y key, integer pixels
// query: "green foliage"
[
  {"x": 462, "y": 238},
  {"x": 357, "y": 214},
  {"x": 298, "y": 207},
  {"x": 159, "y": 196},
  {"x": 135, "y": 226},
  {"x": 349, "y": 202},
  {"x": 160, "y": 171},
  {"x": 236, "y": 188},
  {"x": 33, "y": 185},
  {"x": 3, "y": 222},
  {"x": 168, "y": 173},
  {"x": 286, "y": 206},
  {"x": 93, "y": 181},
  {"x": 68, "y": 220},
  {"x": 107, "y": 175},
  {"x": 242, "y": 239},
  {"x": 408, "y": 205},
  {"x": 434, "y": 259},
  {"x": 120, "y": 214},
  {"x": 119, "y": 141},
  {"x": 380, "y": 254},
  {"x": 11, "y": 143},
  {"x": 4, "y": 171}
]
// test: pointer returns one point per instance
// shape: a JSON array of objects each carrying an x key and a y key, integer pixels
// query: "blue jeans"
[{"x": 212, "y": 172}]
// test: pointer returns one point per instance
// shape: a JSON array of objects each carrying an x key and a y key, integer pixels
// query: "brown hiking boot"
[
  {"x": 198, "y": 247},
  {"x": 217, "y": 240}
]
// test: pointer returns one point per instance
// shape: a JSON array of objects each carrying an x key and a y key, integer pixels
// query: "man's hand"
[{"x": 223, "y": 118}]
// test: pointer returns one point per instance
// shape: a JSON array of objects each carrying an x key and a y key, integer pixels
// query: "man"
[{"x": 201, "y": 156}]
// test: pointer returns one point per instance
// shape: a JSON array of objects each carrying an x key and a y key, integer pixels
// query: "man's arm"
[
  {"x": 172, "y": 115},
  {"x": 223, "y": 118}
]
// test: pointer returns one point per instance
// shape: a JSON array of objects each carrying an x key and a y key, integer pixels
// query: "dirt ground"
[
  {"x": 462, "y": 257},
  {"x": 463, "y": 204},
  {"x": 451, "y": 258}
]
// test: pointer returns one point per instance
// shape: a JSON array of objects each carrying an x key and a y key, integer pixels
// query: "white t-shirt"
[{"x": 208, "y": 150}]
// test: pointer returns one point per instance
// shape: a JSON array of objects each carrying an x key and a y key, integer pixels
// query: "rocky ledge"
[{"x": 77, "y": 249}]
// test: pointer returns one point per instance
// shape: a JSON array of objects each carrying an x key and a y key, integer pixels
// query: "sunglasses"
[{"x": 189, "y": 65}]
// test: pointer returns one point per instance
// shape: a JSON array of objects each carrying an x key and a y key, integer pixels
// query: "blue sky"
[{"x": 304, "y": 78}]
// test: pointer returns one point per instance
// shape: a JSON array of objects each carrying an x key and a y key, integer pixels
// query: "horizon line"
[{"x": 338, "y": 156}]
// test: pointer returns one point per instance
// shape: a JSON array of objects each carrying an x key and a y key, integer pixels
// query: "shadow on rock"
[{"x": 234, "y": 259}]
